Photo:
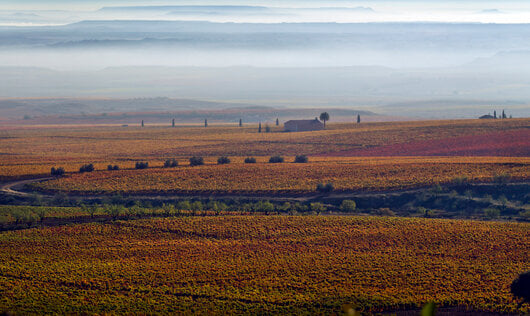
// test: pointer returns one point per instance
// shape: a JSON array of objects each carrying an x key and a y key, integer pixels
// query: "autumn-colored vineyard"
[
  {"x": 514, "y": 143},
  {"x": 257, "y": 265},
  {"x": 347, "y": 174},
  {"x": 28, "y": 152}
]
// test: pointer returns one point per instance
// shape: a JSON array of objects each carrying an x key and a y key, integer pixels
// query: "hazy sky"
[
  {"x": 483, "y": 11},
  {"x": 480, "y": 54}
]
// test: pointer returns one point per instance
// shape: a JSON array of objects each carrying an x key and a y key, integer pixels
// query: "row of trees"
[
  {"x": 172, "y": 163},
  {"x": 494, "y": 116},
  {"x": 196, "y": 161},
  {"x": 502, "y": 116},
  {"x": 142, "y": 124},
  {"x": 324, "y": 117},
  {"x": 267, "y": 207},
  {"x": 223, "y": 160},
  {"x": 28, "y": 215},
  {"x": 297, "y": 159}
]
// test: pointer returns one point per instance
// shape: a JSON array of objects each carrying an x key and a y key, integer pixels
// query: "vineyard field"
[
  {"x": 514, "y": 143},
  {"x": 346, "y": 174},
  {"x": 262, "y": 264},
  {"x": 31, "y": 151}
]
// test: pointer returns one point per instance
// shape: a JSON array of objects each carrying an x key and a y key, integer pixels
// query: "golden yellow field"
[
  {"x": 346, "y": 174},
  {"x": 262, "y": 264},
  {"x": 127, "y": 261},
  {"x": 31, "y": 152},
  {"x": 27, "y": 152}
]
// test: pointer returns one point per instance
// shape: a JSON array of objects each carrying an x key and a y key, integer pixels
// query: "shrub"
[
  {"x": 196, "y": 161},
  {"x": 325, "y": 188},
  {"x": 223, "y": 160},
  {"x": 428, "y": 213},
  {"x": 348, "y": 206},
  {"x": 111, "y": 167},
  {"x": 317, "y": 207},
  {"x": 520, "y": 287},
  {"x": 491, "y": 212},
  {"x": 116, "y": 167},
  {"x": 266, "y": 207},
  {"x": 169, "y": 209},
  {"x": 216, "y": 206},
  {"x": 90, "y": 209},
  {"x": 196, "y": 206},
  {"x": 276, "y": 159},
  {"x": 385, "y": 211},
  {"x": 286, "y": 207},
  {"x": 171, "y": 163},
  {"x": 267, "y": 129},
  {"x": 184, "y": 205},
  {"x": 86, "y": 168},
  {"x": 299, "y": 207},
  {"x": 57, "y": 172},
  {"x": 142, "y": 165},
  {"x": 250, "y": 160},
  {"x": 114, "y": 210},
  {"x": 301, "y": 159}
]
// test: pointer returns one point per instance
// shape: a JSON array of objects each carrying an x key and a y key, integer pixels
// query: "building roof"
[
  {"x": 303, "y": 125},
  {"x": 314, "y": 121}
]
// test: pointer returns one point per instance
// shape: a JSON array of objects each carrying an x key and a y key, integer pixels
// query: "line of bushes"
[
  {"x": 141, "y": 165},
  {"x": 172, "y": 163},
  {"x": 57, "y": 171},
  {"x": 86, "y": 168},
  {"x": 27, "y": 216}
]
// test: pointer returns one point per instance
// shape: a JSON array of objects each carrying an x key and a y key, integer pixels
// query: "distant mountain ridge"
[{"x": 184, "y": 7}]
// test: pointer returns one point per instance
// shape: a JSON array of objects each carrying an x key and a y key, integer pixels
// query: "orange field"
[
  {"x": 29, "y": 152},
  {"x": 185, "y": 263},
  {"x": 346, "y": 174},
  {"x": 260, "y": 265}
]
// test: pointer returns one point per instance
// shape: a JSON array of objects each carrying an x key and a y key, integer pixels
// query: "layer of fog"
[
  {"x": 412, "y": 69},
  {"x": 469, "y": 91},
  {"x": 98, "y": 45}
]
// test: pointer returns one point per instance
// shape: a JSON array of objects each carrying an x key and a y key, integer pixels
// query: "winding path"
[{"x": 9, "y": 187}]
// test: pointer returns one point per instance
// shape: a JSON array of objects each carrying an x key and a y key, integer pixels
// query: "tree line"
[{"x": 172, "y": 163}]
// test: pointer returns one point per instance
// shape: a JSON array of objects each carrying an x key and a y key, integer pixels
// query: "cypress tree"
[
  {"x": 240, "y": 122},
  {"x": 173, "y": 123},
  {"x": 205, "y": 122},
  {"x": 277, "y": 122},
  {"x": 142, "y": 123},
  {"x": 259, "y": 128},
  {"x": 358, "y": 118}
]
